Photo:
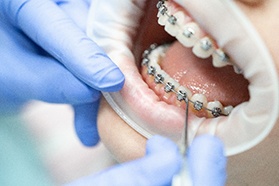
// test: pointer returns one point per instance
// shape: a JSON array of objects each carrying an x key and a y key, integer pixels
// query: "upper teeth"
[
  {"x": 189, "y": 34},
  {"x": 204, "y": 48},
  {"x": 220, "y": 58}
]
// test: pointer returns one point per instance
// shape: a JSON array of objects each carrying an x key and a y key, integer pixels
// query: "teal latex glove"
[
  {"x": 46, "y": 55},
  {"x": 162, "y": 161}
]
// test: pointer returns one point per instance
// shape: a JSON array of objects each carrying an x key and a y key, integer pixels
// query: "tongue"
[{"x": 199, "y": 76}]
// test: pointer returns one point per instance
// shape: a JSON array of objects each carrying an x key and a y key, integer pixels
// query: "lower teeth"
[{"x": 199, "y": 103}]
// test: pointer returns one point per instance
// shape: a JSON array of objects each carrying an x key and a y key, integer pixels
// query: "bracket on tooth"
[
  {"x": 152, "y": 47},
  {"x": 146, "y": 53},
  {"x": 181, "y": 95},
  {"x": 216, "y": 112},
  {"x": 188, "y": 32},
  {"x": 198, "y": 105},
  {"x": 160, "y": 4},
  {"x": 169, "y": 87},
  {"x": 206, "y": 45},
  {"x": 237, "y": 69},
  {"x": 172, "y": 20},
  {"x": 159, "y": 78},
  {"x": 163, "y": 10},
  {"x": 161, "y": 7},
  {"x": 145, "y": 61},
  {"x": 151, "y": 70},
  {"x": 223, "y": 56}
]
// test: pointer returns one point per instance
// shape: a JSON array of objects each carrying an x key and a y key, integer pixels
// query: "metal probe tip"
[{"x": 185, "y": 131}]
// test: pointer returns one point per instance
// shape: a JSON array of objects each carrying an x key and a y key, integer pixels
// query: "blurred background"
[{"x": 39, "y": 147}]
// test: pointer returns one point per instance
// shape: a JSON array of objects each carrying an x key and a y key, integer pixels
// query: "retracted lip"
[{"x": 248, "y": 123}]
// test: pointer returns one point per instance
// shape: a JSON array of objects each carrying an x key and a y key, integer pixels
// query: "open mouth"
[
  {"x": 195, "y": 58},
  {"x": 196, "y": 69}
]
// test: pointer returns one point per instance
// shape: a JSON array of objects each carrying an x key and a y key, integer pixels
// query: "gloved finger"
[
  {"x": 155, "y": 169},
  {"x": 207, "y": 161},
  {"x": 86, "y": 123},
  {"x": 39, "y": 77},
  {"x": 77, "y": 10},
  {"x": 48, "y": 26},
  {"x": 122, "y": 22}
]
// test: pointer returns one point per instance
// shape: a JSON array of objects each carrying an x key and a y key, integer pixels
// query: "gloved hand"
[
  {"x": 46, "y": 55},
  {"x": 207, "y": 161},
  {"x": 162, "y": 161}
]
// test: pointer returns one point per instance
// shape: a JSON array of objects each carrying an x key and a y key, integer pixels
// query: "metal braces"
[
  {"x": 223, "y": 56},
  {"x": 169, "y": 87},
  {"x": 189, "y": 32}
]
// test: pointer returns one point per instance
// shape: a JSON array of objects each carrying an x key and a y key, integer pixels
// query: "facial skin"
[{"x": 243, "y": 169}]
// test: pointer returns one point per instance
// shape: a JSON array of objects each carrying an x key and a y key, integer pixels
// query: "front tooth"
[
  {"x": 220, "y": 59},
  {"x": 159, "y": 78},
  {"x": 157, "y": 67},
  {"x": 152, "y": 69},
  {"x": 228, "y": 109},
  {"x": 181, "y": 91},
  {"x": 165, "y": 75},
  {"x": 163, "y": 79},
  {"x": 145, "y": 61},
  {"x": 162, "y": 15},
  {"x": 180, "y": 17},
  {"x": 171, "y": 84},
  {"x": 171, "y": 26},
  {"x": 173, "y": 22},
  {"x": 153, "y": 60},
  {"x": 237, "y": 69},
  {"x": 169, "y": 87},
  {"x": 203, "y": 48},
  {"x": 175, "y": 83},
  {"x": 189, "y": 34},
  {"x": 216, "y": 108},
  {"x": 199, "y": 101}
]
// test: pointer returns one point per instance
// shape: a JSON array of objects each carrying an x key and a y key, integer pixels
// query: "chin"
[{"x": 121, "y": 140}]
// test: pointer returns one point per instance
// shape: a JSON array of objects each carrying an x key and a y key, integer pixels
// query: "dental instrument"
[{"x": 183, "y": 177}]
